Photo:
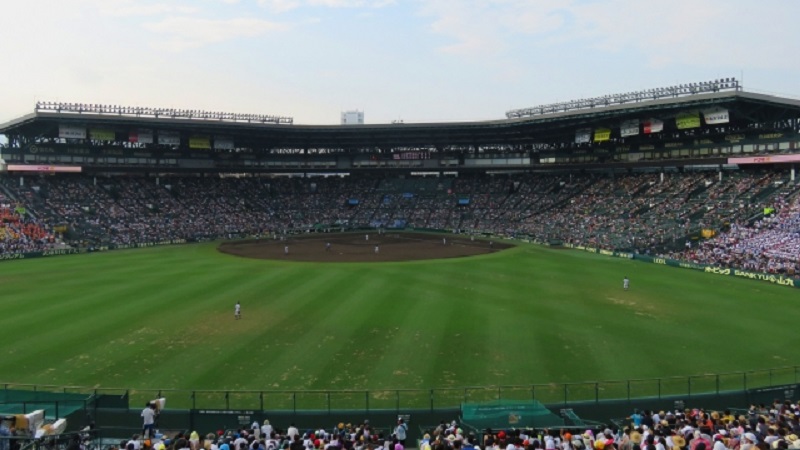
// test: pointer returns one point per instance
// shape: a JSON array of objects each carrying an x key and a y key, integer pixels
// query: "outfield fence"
[{"x": 413, "y": 399}]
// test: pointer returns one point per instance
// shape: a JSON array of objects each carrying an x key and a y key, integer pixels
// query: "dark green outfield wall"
[{"x": 121, "y": 422}]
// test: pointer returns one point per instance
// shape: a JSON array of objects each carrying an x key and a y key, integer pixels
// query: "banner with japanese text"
[
  {"x": 71, "y": 132},
  {"x": 602, "y": 134},
  {"x": 716, "y": 116}
]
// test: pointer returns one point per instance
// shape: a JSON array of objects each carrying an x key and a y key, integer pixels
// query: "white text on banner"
[
  {"x": 583, "y": 136},
  {"x": 629, "y": 128}
]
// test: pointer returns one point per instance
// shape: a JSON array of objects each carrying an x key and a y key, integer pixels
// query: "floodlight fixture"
[
  {"x": 622, "y": 98},
  {"x": 173, "y": 113}
]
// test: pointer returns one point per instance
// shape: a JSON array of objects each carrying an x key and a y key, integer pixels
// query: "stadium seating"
[{"x": 640, "y": 212}]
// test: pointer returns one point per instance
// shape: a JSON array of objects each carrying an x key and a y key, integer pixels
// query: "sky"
[{"x": 409, "y": 60}]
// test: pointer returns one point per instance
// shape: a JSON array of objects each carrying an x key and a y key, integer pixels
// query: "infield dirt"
[{"x": 361, "y": 247}]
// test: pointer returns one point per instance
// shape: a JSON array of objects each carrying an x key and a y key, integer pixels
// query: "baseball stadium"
[{"x": 555, "y": 269}]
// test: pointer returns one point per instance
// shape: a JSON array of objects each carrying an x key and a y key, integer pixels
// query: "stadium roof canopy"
[{"x": 746, "y": 109}]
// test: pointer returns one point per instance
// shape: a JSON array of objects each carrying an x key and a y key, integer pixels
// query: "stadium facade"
[{"x": 711, "y": 127}]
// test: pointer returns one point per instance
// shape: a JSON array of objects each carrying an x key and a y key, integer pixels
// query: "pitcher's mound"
[{"x": 361, "y": 247}]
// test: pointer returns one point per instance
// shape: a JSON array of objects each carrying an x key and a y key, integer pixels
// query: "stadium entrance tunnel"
[{"x": 363, "y": 247}]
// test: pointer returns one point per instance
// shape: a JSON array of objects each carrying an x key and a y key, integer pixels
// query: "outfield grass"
[{"x": 163, "y": 318}]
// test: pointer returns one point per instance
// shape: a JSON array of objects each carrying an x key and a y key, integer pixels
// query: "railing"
[{"x": 432, "y": 399}]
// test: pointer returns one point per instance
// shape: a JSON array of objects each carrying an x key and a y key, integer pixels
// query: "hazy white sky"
[{"x": 415, "y": 60}]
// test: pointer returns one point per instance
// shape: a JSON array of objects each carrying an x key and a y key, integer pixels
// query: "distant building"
[{"x": 353, "y": 117}]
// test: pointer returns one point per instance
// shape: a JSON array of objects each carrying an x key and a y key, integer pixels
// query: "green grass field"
[{"x": 163, "y": 318}]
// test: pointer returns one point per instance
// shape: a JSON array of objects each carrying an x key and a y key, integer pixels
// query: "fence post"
[
  {"x": 397, "y": 399},
  {"x": 431, "y": 400},
  {"x": 465, "y": 395},
  {"x": 770, "y": 377},
  {"x": 533, "y": 392},
  {"x": 689, "y": 386},
  {"x": 597, "y": 392},
  {"x": 629, "y": 390},
  {"x": 744, "y": 381},
  {"x": 659, "y": 388},
  {"x": 328, "y": 399},
  {"x": 294, "y": 402},
  {"x": 366, "y": 401},
  {"x": 194, "y": 400},
  {"x": 565, "y": 394},
  {"x": 127, "y": 394},
  {"x": 717, "y": 384},
  {"x": 261, "y": 399}
]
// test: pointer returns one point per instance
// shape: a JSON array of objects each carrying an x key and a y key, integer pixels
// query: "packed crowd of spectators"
[
  {"x": 263, "y": 436},
  {"x": 641, "y": 212},
  {"x": 770, "y": 245},
  {"x": 758, "y": 428},
  {"x": 19, "y": 231}
]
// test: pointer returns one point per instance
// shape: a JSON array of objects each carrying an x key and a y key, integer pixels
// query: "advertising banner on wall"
[
  {"x": 716, "y": 116},
  {"x": 687, "y": 120},
  {"x": 141, "y": 136},
  {"x": 71, "y": 132},
  {"x": 199, "y": 142},
  {"x": 99, "y": 134},
  {"x": 602, "y": 134},
  {"x": 42, "y": 168},
  {"x": 653, "y": 126},
  {"x": 221, "y": 143},
  {"x": 169, "y": 138},
  {"x": 583, "y": 136},
  {"x": 629, "y": 128},
  {"x": 765, "y": 159}
]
